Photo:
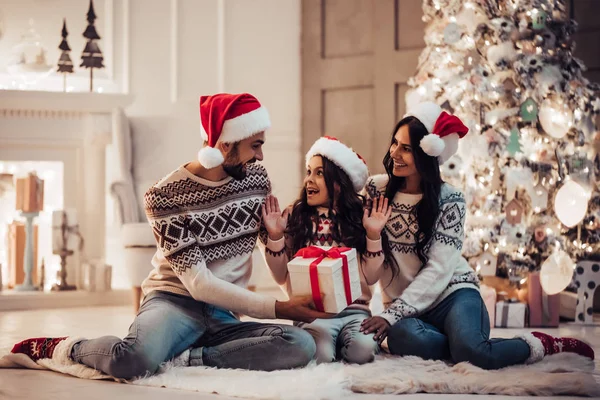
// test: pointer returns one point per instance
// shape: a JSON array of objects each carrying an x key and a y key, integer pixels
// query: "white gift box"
[
  {"x": 331, "y": 279},
  {"x": 97, "y": 276},
  {"x": 511, "y": 314}
]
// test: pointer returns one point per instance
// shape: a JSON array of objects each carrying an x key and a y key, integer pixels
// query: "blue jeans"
[
  {"x": 340, "y": 338},
  {"x": 167, "y": 324},
  {"x": 457, "y": 329}
]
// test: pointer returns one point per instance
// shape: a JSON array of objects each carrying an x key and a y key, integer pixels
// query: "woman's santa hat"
[
  {"x": 228, "y": 118},
  {"x": 444, "y": 130},
  {"x": 344, "y": 157}
]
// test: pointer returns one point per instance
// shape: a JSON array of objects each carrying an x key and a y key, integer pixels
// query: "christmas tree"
[
  {"x": 92, "y": 55},
  {"x": 65, "y": 65},
  {"x": 530, "y": 166}
]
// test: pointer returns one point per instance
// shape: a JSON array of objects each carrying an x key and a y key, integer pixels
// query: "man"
[{"x": 206, "y": 217}]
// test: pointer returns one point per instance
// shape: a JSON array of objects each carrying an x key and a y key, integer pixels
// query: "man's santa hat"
[
  {"x": 228, "y": 118},
  {"x": 444, "y": 130},
  {"x": 344, "y": 157}
]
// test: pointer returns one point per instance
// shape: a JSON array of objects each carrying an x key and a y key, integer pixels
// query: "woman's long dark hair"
[
  {"x": 346, "y": 217},
  {"x": 428, "y": 208}
]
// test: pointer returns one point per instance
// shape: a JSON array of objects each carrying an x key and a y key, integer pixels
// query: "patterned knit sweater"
[
  {"x": 420, "y": 287},
  {"x": 206, "y": 232},
  {"x": 278, "y": 253}
]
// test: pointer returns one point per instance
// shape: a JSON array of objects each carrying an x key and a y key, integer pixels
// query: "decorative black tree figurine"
[
  {"x": 65, "y": 65},
  {"x": 92, "y": 56}
]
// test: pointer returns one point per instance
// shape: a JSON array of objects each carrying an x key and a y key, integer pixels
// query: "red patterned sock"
[
  {"x": 37, "y": 348},
  {"x": 553, "y": 345}
]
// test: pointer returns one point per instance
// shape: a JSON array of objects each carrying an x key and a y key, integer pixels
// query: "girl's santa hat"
[
  {"x": 228, "y": 118},
  {"x": 344, "y": 157},
  {"x": 444, "y": 130}
]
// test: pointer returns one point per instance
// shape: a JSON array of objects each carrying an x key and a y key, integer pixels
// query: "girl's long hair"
[{"x": 428, "y": 208}]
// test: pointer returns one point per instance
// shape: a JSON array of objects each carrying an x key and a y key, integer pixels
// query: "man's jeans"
[
  {"x": 457, "y": 329},
  {"x": 167, "y": 324}
]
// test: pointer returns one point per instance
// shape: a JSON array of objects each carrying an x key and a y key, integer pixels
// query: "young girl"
[
  {"x": 330, "y": 212},
  {"x": 434, "y": 309}
]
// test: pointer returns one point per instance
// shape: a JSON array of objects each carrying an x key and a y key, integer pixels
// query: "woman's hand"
[
  {"x": 375, "y": 221},
  {"x": 379, "y": 325},
  {"x": 274, "y": 220}
]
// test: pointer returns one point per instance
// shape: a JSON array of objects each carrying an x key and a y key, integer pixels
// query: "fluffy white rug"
[{"x": 561, "y": 374}]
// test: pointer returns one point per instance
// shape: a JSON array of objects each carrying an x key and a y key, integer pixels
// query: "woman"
[
  {"x": 434, "y": 309},
  {"x": 329, "y": 212}
]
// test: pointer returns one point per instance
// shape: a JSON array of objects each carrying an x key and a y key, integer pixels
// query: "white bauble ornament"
[
  {"x": 452, "y": 33},
  {"x": 502, "y": 53},
  {"x": 571, "y": 203},
  {"x": 556, "y": 273},
  {"x": 555, "y": 121},
  {"x": 548, "y": 79}
]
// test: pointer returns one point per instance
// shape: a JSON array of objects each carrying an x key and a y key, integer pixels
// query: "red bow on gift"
[{"x": 320, "y": 254}]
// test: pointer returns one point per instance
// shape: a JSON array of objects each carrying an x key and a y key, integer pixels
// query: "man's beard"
[{"x": 236, "y": 169}]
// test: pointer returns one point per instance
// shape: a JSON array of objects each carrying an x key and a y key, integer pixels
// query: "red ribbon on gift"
[{"x": 320, "y": 254}]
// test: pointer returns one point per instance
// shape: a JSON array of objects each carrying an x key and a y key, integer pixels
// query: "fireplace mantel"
[
  {"x": 75, "y": 129},
  {"x": 28, "y": 101}
]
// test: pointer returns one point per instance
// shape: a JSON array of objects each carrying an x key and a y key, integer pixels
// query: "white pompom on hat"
[{"x": 444, "y": 130}]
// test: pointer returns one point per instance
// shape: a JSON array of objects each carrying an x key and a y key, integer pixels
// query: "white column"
[{"x": 93, "y": 167}]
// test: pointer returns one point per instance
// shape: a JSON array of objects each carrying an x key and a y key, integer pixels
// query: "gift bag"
[
  {"x": 544, "y": 310},
  {"x": 488, "y": 294}
]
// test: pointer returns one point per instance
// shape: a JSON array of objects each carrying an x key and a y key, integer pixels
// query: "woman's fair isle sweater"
[
  {"x": 420, "y": 287},
  {"x": 205, "y": 233},
  {"x": 278, "y": 253}
]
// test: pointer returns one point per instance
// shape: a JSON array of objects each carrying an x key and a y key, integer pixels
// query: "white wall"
[{"x": 256, "y": 49}]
